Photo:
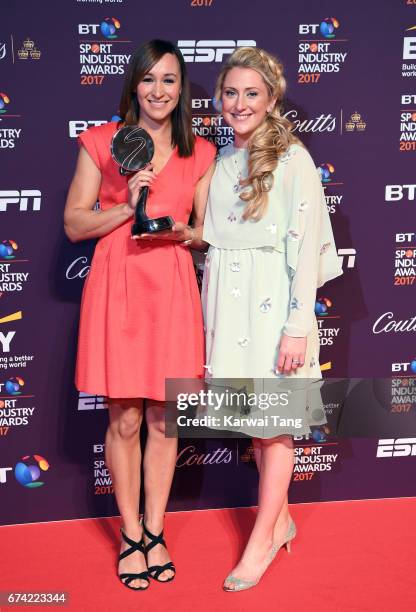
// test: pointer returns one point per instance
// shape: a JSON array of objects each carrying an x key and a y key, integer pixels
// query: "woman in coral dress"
[{"x": 141, "y": 319}]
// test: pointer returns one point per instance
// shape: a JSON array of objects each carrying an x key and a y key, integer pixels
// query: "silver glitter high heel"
[{"x": 243, "y": 585}]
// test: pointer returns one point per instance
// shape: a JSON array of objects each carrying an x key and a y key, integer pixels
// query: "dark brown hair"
[{"x": 141, "y": 62}]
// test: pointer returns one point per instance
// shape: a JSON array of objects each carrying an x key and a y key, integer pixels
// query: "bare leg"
[
  {"x": 123, "y": 458},
  {"x": 284, "y": 515},
  {"x": 275, "y": 473},
  {"x": 159, "y": 465}
]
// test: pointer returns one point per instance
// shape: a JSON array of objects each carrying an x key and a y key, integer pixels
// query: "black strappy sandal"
[
  {"x": 127, "y": 578},
  {"x": 156, "y": 570}
]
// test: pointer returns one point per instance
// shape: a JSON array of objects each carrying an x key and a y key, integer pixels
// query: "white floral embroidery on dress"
[
  {"x": 295, "y": 304},
  {"x": 286, "y": 156},
  {"x": 232, "y": 217},
  {"x": 266, "y": 305},
  {"x": 235, "y": 266},
  {"x": 272, "y": 228},
  {"x": 312, "y": 363},
  {"x": 235, "y": 292},
  {"x": 292, "y": 235},
  {"x": 303, "y": 206},
  {"x": 324, "y": 248},
  {"x": 243, "y": 341}
]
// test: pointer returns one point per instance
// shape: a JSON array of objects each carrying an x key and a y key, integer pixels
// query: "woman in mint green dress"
[{"x": 271, "y": 246}]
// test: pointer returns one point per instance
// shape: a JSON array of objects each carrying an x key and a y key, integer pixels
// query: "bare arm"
[
  {"x": 200, "y": 204},
  {"x": 81, "y": 222}
]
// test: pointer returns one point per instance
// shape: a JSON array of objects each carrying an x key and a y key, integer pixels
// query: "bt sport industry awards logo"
[
  {"x": 99, "y": 59},
  {"x": 16, "y": 409},
  {"x": 8, "y": 135},
  {"x": 403, "y": 386},
  {"x": 29, "y": 469},
  {"x": 328, "y": 322},
  {"x": 208, "y": 123},
  {"x": 407, "y": 138},
  {"x": 12, "y": 277},
  {"x": 405, "y": 259},
  {"x": 318, "y": 53},
  {"x": 326, "y": 173}
]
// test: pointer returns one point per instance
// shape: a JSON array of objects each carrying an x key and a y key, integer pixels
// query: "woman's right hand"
[{"x": 142, "y": 178}]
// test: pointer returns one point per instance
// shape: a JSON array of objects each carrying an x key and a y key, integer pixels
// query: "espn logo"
[
  {"x": 401, "y": 447},
  {"x": 26, "y": 199},
  {"x": 91, "y": 402},
  {"x": 210, "y": 50}
]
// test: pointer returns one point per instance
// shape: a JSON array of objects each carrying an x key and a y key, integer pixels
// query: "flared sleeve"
[{"x": 310, "y": 247}]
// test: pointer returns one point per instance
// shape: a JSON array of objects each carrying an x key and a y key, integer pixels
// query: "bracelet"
[{"x": 190, "y": 240}]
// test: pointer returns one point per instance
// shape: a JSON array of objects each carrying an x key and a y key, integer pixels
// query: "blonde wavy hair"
[{"x": 272, "y": 137}]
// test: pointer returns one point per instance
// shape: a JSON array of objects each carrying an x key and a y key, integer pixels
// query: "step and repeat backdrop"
[{"x": 352, "y": 99}]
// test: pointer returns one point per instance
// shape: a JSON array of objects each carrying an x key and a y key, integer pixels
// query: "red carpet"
[{"x": 348, "y": 556}]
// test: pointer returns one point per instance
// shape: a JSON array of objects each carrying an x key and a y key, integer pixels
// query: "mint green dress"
[{"x": 261, "y": 277}]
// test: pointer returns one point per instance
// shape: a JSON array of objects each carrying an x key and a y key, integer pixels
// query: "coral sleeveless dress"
[{"x": 141, "y": 319}]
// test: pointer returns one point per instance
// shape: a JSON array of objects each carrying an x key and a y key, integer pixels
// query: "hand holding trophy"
[{"x": 132, "y": 149}]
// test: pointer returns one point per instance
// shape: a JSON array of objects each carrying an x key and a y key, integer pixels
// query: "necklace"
[{"x": 237, "y": 186}]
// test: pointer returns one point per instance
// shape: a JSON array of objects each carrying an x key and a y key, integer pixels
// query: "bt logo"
[
  {"x": 210, "y": 50},
  {"x": 108, "y": 28},
  {"x": 77, "y": 127},
  {"x": 13, "y": 386},
  {"x": 28, "y": 470},
  {"x": 394, "y": 193},
  {"x": 325, "y": 171},
  {"x": 327, "y": 27},
  {"x": 406, "y": 366},
  {"x": 407, "y": 237},
  {"x": 401, "y": 447},
  {"x": 4, "y": 99},
  {"x": 409, "y": 46},
  {"x": 321, "y": 306},
  {"x": 201, "y": 102},
  {"x": 7, "y": 249},
  {"x": 408, "y": 99}
]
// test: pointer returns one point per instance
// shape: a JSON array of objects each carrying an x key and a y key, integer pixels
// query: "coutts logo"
[
  {"x": 188, "y": 456},
  {"x": 387, "y": 323},
  {"x": 79, "y": 268}
]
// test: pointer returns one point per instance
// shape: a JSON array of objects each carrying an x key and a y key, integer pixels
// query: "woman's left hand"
[
  {"x": 291, "y": 354},
  {"x": 179, "y": 232}
]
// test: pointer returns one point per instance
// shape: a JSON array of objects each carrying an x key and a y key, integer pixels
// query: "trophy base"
[{"x": 151, "y": 226}]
